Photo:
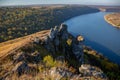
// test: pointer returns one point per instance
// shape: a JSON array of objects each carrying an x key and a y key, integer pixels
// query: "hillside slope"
[
  {"x": 50, "y": 54},
  {"x": 11, "y": 46},
  {"x": 53, "y": 54},
  {"x": 21, "y": 21}
]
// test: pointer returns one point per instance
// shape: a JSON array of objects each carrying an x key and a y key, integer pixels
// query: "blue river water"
[{"x": 98, "y": 34}]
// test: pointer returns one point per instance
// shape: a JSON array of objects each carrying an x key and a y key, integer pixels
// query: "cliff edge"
[{"x": 51, "y": 54}]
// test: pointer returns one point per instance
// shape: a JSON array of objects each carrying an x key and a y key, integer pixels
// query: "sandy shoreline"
[{"x": 108, "y": 18}]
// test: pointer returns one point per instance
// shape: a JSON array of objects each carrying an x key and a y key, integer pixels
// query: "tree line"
[{"x": 20, "y": 21}]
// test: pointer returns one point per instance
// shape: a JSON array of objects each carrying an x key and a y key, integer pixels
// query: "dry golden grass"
[
  {"x": 113, "y": 19},
  {"x": 10, "y": 46}
]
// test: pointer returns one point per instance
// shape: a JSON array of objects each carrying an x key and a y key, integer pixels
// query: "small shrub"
[
  {"x": 69, "y": 42},
  {"x": 49, "y": 61},
  {"x": 41, "y": 68}
]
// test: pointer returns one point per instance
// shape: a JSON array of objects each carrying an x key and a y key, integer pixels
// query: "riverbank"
[
  {"x": 107, "y": 43},
  {"x": 113, "y": 19},
  {"x": 92, "y": 57}
]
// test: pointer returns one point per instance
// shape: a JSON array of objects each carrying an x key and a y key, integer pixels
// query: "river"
[{"x": 98, "y": 34}]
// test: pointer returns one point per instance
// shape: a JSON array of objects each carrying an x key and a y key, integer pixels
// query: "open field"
[{"x": 113, "y": 19}]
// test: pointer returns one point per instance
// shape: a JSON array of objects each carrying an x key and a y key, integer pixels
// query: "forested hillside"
[{"x": 20, "y": 21}]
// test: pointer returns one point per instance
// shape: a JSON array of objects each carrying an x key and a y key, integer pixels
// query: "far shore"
[{"x": 113, "y": 19}]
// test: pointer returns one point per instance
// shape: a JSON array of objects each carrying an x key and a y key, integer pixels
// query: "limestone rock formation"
[
  {"x": 78, "y": 52},
  {"x": 59, "y": 73},
  {"x": 57, "y": 41},
  {"x": 22, "y": 56},
  {"x": 63, "y": 47},
  {"x": 88, "y": 70},
  {"x": 19, "y": 57}
]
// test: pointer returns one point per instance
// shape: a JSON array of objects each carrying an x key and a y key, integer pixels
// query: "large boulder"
[
  {"x": 52, "y": 34},
  {"x": 28, "y": 57},
  {"x": 63, "y": 28},
  {"x": 21, "y": 68},
  {"x": 63, "y": 32},
  {"x": 89, "y": 70},
  {"x": 59, "y": 73},
  {"x": 56, "y": 43},
  {"x": 57, "y": 36},
  {"x": 49, "y": 44},
  {"x": 19, "y": 57},
  {"x": 78, "y": 51},
  {"x": 56, "y": 30}
]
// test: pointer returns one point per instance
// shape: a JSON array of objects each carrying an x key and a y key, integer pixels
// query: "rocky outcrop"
[
  {"x": 22, "y": 56},
  {"x": 63, "y": 47},
  {"x": 59, "y": 73},
  {"x": 19, "y": 57},
  {"x": 88, "y": 70},
  {"x": 21, "y": 68},
  {"x": 57, "y": 41},
  {"x": 78, "y": 51}
]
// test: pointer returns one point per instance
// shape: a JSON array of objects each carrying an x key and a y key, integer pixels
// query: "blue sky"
[{"x": 27, "y": 2}]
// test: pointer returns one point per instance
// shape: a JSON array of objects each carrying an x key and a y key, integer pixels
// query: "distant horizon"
[
  {"x": 48, "y": 2},
  {"x": 57, "y": 4}
]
